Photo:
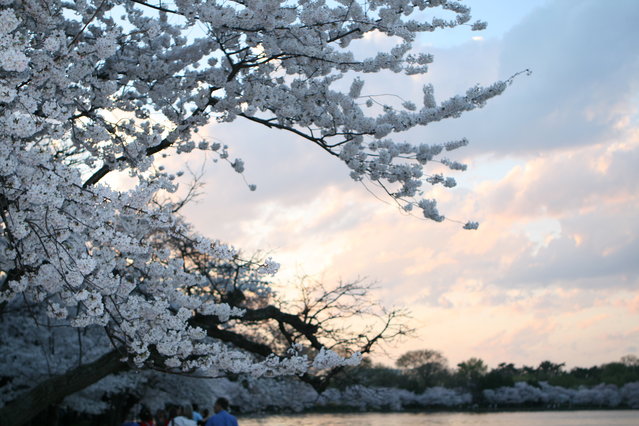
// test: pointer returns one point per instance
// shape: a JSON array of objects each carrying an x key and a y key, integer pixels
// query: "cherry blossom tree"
[{"x": 92, "y": 87}]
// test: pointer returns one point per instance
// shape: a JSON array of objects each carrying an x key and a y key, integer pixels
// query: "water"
[{"x": 534, "y": 418}]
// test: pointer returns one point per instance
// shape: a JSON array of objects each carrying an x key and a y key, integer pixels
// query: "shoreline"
[{"x": 479, "y": 410}]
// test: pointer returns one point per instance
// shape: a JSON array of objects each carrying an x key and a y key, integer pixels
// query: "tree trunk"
[{"x": 54, "y": 389}]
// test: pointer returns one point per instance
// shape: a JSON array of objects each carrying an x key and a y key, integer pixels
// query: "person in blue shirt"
[
  {"x": 196, "y": 414},
  {"x": 221, "y": 416}
]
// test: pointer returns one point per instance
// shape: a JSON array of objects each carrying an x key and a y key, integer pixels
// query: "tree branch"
[{"x": 56, "y": 388}]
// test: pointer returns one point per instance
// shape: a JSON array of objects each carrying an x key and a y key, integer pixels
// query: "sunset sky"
[{"x": 553, "y": 270}]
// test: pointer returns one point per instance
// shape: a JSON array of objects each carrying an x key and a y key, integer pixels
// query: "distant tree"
[
  {"x": 630, "y": 360},
  {"x": 586, "y": 376},
  {"x": 503, "y": 375},
  {"x": 424, "y": 368},
  {"x": 473, "y": 367},
  {"x": 417, "y": 358},
  {"x": 470, "y": 371},
  {"x": 547, "y": 371},
  {"x": 507, "y": 369},
  {"x": 550, "y": 369},
  {"x": 617, "y": 373}
]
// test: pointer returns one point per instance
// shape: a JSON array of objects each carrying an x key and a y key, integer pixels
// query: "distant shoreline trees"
[
  {"x": 370, "y": 387},
  {"x": 421, "y": 369}
]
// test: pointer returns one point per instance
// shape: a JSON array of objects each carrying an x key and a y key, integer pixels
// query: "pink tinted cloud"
[{"x": 497, "y": 292}]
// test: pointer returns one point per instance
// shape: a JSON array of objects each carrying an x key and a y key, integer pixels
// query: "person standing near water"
[
  {"x": 221, "y": 416},
  {"x": 197, "y": 417},
  {"x": 178, "y": 417}
]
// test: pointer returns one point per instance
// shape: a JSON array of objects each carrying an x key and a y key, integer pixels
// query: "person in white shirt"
[{"x": 177, "y": 418}]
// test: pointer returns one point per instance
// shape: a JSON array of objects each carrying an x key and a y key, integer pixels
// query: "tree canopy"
[{"x": 96, "y": 86}]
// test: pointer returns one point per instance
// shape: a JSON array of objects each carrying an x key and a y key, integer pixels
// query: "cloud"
[
  {"x": 288, "y": 172},
  {"x": 553, "y": 266},
  {"x": 585, "y": 63},
  {"x": 594, "y": 207}
]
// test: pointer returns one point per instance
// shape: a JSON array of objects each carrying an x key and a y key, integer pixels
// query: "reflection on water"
[{"x": 544, "y": 418}]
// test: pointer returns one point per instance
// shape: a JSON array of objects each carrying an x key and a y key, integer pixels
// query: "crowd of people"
[{"x": 187, "y": 415}]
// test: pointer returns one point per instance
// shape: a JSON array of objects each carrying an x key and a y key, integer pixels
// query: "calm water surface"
[{"x": 543, "y": 418}]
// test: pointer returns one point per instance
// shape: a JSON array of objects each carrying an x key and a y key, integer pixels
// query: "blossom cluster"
[{"x": 92, "y": 87}]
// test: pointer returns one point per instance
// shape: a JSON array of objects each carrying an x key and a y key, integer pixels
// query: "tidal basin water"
[{"x": 528, "y": 418}]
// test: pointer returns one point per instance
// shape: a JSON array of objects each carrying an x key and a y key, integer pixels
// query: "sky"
[{"x": 552, "y": 273}]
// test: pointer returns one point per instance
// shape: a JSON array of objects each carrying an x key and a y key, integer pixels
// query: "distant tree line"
[{"x": 419, "y": 370}]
